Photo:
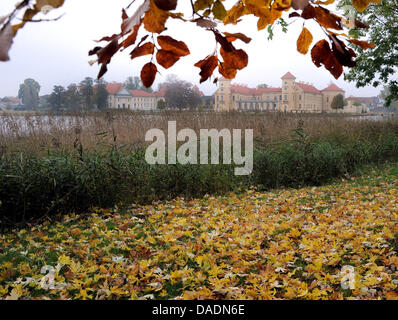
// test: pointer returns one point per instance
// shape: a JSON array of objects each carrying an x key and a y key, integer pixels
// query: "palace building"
[
  {"x": 137, "y": 100},
  {"x": 293, "y": 96}
]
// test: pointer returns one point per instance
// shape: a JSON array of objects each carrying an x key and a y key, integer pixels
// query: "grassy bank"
[
  {"x": 33, "y": 187},
  {"x": 281, "y": 244}
]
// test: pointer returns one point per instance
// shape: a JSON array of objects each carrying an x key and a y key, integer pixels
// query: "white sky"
[{"x": 56, "y": 53}]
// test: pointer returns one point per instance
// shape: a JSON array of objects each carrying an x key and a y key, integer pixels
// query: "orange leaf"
[
  {"x": 130, "y": 40},
  {"x": 322, "y": 54},
  {"x": 363, "y": 44},
  {"x": 237, "y": 59},
  {"x": 304, "y": 41},
  {"x": 207, "y": 66},
  {"x": 148, "y": 74},
  {"x": 155, "y": 19},
  {"x": 143, "y": 50},
  {"x": 361, "y": 5},
  {"x": 234, "y": 14},
  {"x": 169, "y": 44},
  {"x": 226, "y": 71},
  {"x": 166, "y": 58},
  {"x": 233, "y": 36}
]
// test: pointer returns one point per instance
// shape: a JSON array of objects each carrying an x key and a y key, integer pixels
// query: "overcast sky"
[{"x": 55, "y": 53}]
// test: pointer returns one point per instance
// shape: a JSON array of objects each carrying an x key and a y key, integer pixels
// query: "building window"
[
  {"x": 280, "y": 98},
  {"x": 299, "y": 97},
  {"x": 233, "y": 98},
  {"x": 285, "y": 97}
]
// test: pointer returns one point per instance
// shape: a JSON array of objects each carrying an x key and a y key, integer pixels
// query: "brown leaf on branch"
[
  {"x": 323, "y": 16},
  {"x": 226, "y": 71},
  {"x": 234, "y": 14},
  {"x": 148, "y": 74},
  {"x": 207, "y": 66},
  {"x": 237, "y": 59},
  {"x": 132, "y": 38},
  {"x": 343, "y": 54},
  {"x": 205, "y": 23},
  {"x": 322, "y": 54},
  {"x": 363, "y": 44},
  {"x": 170, "y": 44},
  {"x": 304, "y": 41},
  {"x": 300, "y": 4},
  {"x": 155, "y": 19},
  {"x": 143, "y": 50},
  {"x": 166, "y": 58},
  {"x": 166, "y": 5},
  {"x": 225, "y": 44},
  {"x": 362, "y": 5},
  {"x": 231, "y": 37},
  {"x": 6, "y": 39}
]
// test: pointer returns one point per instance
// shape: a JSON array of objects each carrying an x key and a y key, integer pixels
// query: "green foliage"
[
  {"x": 57, "y": 99},
  {"x": 379, "y": 64},
  {"x": 29, "y": 93},
  {"x": 338, "y": 102}
]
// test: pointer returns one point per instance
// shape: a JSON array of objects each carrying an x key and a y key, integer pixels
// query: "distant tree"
[
  {"x": 180, "y": 94},
  {"x": 262, "y": 86},
  {"x": 338, "y": 102},
  {"x": 134, "y": 83},
  {"x": 101, "y": 95},
  {"x": 87, "y": 93},
  {"x": 73, "y": 98},
  {"x": 357, "y": 103},
  {"x": 29, "y": 93},
  {"x": 385, "y": 93},
  {"x": 57, "y": 99},
  {"x": 162, "y": 105}
]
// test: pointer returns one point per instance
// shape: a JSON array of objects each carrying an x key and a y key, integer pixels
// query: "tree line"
[{"x": 92, "y": 94}]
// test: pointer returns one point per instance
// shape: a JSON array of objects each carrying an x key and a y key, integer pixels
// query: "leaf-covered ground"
[{"x": 331, "y": 242}]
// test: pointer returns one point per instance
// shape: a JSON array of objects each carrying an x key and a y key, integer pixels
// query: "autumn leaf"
[
  {"x": 6, "y": 40},
  {"x": 169, "y": 44},
  {"x": 155, "y": 19},
  {"x": 207, "y": 66},
  {"x": 148, "y": 74},
  {"x": 143, "y": 50},
  {"x": 304, "y": 41},
  {"x": 226, "y": 71},
  {"x": 237, "y": 59},
  {"x": 219, "y": 10},
  {"x": 361, "y": 5},
  {"x": 321, "y": 53},
  {"x": 363, "y": 44},
  {"x": 300, "y": 4},
  {"x": 234, "y": 13},
  {"x": 166, "y": 58},
  {"x": 234, "y": 36},
  {"x": 166, "y": 5},
  {"x": 132, "y": 38}
]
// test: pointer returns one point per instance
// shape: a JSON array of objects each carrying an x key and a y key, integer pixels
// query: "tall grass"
[{"x": 58, "y": 165}]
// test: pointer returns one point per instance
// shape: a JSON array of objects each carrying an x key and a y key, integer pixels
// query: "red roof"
[
  {"x": 142, "y": 93},
  {"x": 249, "y": 91},
  {"x": 308, "y": 88},
  {"x": 288, "y": 76},
  {"x": 114, "y": 88},
  {"x": 333, "y": 87}
]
